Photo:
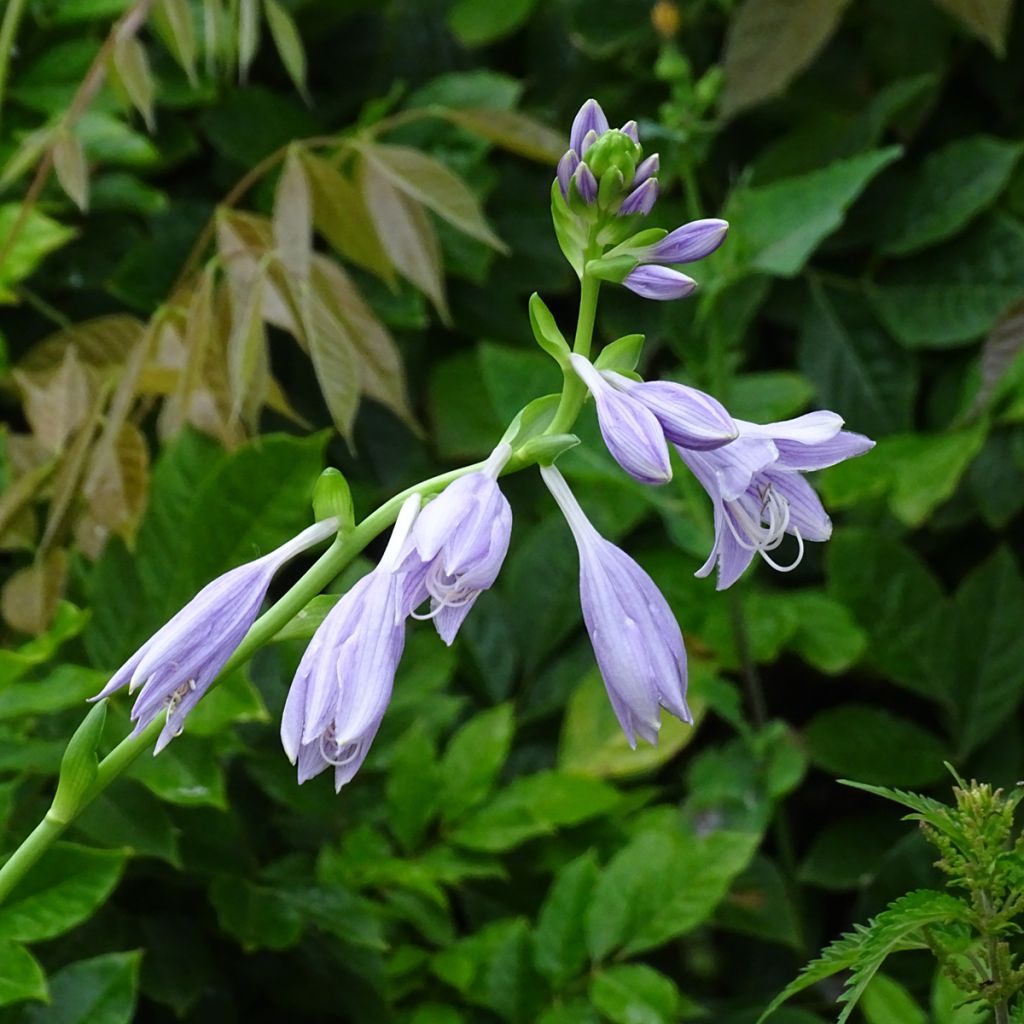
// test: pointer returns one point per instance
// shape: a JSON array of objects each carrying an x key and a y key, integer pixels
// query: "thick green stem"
[
  {"x": 8, "y": 33},
  {"x": 573, "y": 390}
]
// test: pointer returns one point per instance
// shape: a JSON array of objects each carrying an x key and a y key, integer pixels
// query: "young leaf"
[
  {"x": 173, "y": 20},
  {"x": 511, "y": 130},
  {"x": 30, "y": 596},
  {"x": 116, "y": 483},
  {"x": 293, "y": 218},
  {"x": 70, "y": 166},
  {"x": 989, "y": 20},
  {"x": 131, "y": 67},
  {"x": 248, "y": 35},
  {"x": 247, "y": 357},
  {"x": 335, "y": 363},
  {"x": 289, "y": 44}
]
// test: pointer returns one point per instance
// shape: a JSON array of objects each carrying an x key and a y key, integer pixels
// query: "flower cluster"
[{"x": 443, "y": 554}]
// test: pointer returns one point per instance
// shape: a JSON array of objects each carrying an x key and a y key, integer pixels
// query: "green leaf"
[
  {"x": 900, "y": 604},
  {"x": 870, "y": 744},
  {"x": 760, "y": 904},
  {"x": 131, "y": 819},
  {"x": 771, "y": 395},
  {"x": 37, "y": 237},
  {"x": 102, "y": 990},
  {"x": 854, "y": 365},
  {"x": 827, "y": 636},
  {"x": 189, "y": 772},
  {"x": 798, "y": 30},
  {"x": 953, "y": 186},
  {"x": 955, "y": 293},
  {"x": 560, "y": 941},
  {"x": 257, "y": 916},
  {"x": 848, "y": 853},
  {"x": 511, "y": 130},
  {"x": 63, "y": 889},
  {"x": 532, "y": 806},
  {"x": 947, "y": 1000},
  {"x": 412, "y": 787},
  {"x": 473, "y": 760},
  {"x": 478, "y": 22},
  {"x": 289, "y": 44},
  {"x": 989, "y": 20},
  {"x": 66, "y": 686},
  {"x": 513, "y": 377},
  {"x": 989, "y": 648},
  {"x": 778, "y": 226},
  {"x": 21, "y": 976},
  {"x": 67, "y": 623},
  {"x": 887, "y": 1002},
  {"x": 635, "y": 994},
  {"x": 661, "y": 885}
]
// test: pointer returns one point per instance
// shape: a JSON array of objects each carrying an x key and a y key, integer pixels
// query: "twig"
[{"x": 125, "y": 27}]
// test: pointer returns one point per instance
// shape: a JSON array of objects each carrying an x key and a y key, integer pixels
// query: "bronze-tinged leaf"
[
  {"x": 289, "y": 44},
  {"x": 379, "y": 364},
  {"x": 248, "y": 35},
  {"x": 173, "y": 20},
  {"x": 426, "y": 180},
  {"x": 17, "y": 495},
  {"x": 334, "y": 361},
  {"x": 22, "y": 531},
  {"x": 999, "y": 352},
  {"x": 518, "y": 133},
  {"x": 100, "y": 343},
  {"x": 407, "y": 235},
  {"x": 30, "y": 597},
  {"x": 58, "y": 402},
  {"x": 342, "y": 217},
  {"x": 989, "y": 20},
  {"x": 245, "y": 242},
  {"x": 130, "y": 67},
  {"x": 70, "y": 166},
  {"x": 26, "y": 156},
  {"x": 117, "y": 481},
  {"x": 769, "y": 43},
  {"x": 248, "y": 362},
  {"x": 90, "y": 536},
  {"x": 293, "y": 218}
]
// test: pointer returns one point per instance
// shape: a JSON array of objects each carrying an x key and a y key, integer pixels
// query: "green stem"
[
  {"x": 8, "y": 33},
  {"x": 325, "y": 569},
  {"x": 573, "y": 390}
]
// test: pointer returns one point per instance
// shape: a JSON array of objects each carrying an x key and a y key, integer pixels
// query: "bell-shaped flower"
[
  {"x": 461, "y": 539},
  {"x": 758, "y": 493},
  {"x": 688, "y": 417},
  {"x": 663, "y": 284},
  {"x": 630, "y": 430},
  {"x": 343, "y": 683},
  {"x": 637, "y": 642},
  {"x": 175, "y": 667},
  {"x": 688, "y": 243}
]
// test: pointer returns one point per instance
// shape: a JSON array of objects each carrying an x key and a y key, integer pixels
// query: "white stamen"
[
  {"x": 339, "y": 757},
  {"x": 768, "y": 533}
]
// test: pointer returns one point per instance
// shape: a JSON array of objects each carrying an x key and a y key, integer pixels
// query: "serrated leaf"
[
  {"x": 798, "y": 29},
  {"x": 102, "y": 990},
  {"x": 64, "y": 888},
  {"x": 289, "y": 44},
  {"x": 131, "y": 66},
  {"x": 427, "y": 181},
  {"x": 70, "y": 166},
  {"x": 953, "y": 186},
  {"x": 406, "y": 234},
  {"x": 989, "y": 20}
]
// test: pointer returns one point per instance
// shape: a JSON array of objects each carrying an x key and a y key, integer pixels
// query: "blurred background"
[{"x": 503, "y": 856}]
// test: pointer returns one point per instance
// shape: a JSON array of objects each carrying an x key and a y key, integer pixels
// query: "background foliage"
[{"x": 503, "y": 856}]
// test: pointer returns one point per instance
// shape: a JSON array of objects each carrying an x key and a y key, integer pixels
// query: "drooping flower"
[
  {"x": 343, "y": 683},
  {"x": 630, "y": 430},
  {"x": 637, "y": 642},
  {"x": 758, "y": 493},
  {"x": 176, "y": 666},
  {"x": 688, "y": 243},
  {"x": 636, "y": 418},
  {"x": 461, "y": 539},
  {"x": 662, "y": 284}
]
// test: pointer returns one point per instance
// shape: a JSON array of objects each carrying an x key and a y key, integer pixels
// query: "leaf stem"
[{"x": 8, "y": 33}]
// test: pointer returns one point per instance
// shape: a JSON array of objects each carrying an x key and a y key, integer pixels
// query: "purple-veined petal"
[
  {"x": 647, "y": 168},
  {"x": 811, "y": 428},
  {"x": 805, "y": 457},
  {"x": 641, "y": 200},
  {"x": 631, "y": 129},
  {"x": 566, "y": 167},
  {"x": 806, "y": 512},
  {"x": 589, "y": 118},
  {"x": 690, "y": 242},
  {"x": 586, "y": 183},
  {"x": 659, "y": 283}
]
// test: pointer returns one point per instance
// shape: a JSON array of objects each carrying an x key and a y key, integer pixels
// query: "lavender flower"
[
  {"x": 590, "y": 118},
  {"x": 461, "y": 539},
  {"x": 648, "y": 168},
  {"x": 688, "y": 243},
  {"x": 641, "y": 200},
  {"x": 630, "y": 430},
  {"x": 758, "y": 493},
  {"x": 343, "y": 683},
  {"x": 637, "y": 642},
  {"x": 660, "y": 283},
  {"x": 586, "y": 183},
  {"x": 176, "y": 666}
]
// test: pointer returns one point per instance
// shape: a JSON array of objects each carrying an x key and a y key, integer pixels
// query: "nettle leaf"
[
  {"x": 662, "y": 885},
  {"x": 989, "y": 20},
  {"x": 955, "y": 293},
  {"x": 535, "y": 805},
  {"x": 21, "y": 976},
  {"x": 901, "y": 606},
  {"x": 560, "y": 941},
  {"x": 798, "y": 29},
  {"x": 952, "y": 187},
  {"x": 102, "y": 990},
  {"x": 473, "y": 760},
  {"x": 777, "y": 227},
  {"x": 989, "y": 648},
  {"x": 870, "y": 744},
  {"x": 66, "y": 886}
]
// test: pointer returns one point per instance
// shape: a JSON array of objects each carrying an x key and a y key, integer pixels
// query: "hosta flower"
[
  {"x": 343, "y": 683},
  {"x": 461, "y": 538},
  {"x": 176, "y": 666},
  {"x": 636, "y": 418},
  {"x": 637, "y": 642},
  {"x": 659, "y": 283},
  {"x": 758, "y": 493},
  {"x": 652, "y": 278}
]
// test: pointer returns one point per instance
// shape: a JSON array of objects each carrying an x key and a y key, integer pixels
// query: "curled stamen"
[
  {"x": 796, "y": 561},
  {"x": 340, "y": 756}
]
